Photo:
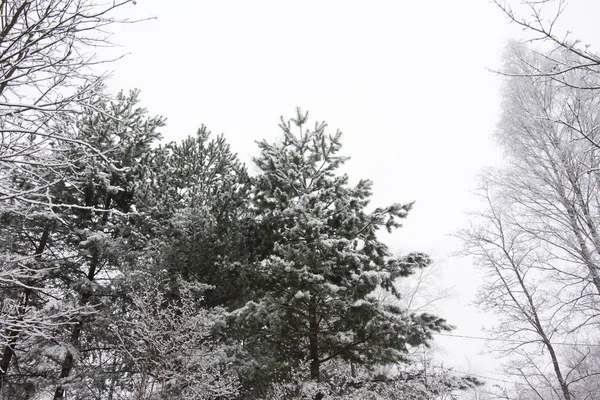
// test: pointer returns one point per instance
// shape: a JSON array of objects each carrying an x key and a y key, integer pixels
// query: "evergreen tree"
[
  {"x": 322, "y": 264},
  {"x": 81, "y": 233},
  {"x": 103, "y": 227},
  {"x": 34, "y": 251},
  {"x": 196, "y": 194}
]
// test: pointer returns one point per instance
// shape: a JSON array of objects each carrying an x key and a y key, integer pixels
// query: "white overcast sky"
[{"x": 407, "y": 83}]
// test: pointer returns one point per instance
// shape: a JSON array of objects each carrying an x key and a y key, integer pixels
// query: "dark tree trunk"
[
  {"x": 539, "y": 327},
  {"x": 564, "y": 387},
  {"x": 69, "y": 361},
  {"x": 313, "y": 339}
]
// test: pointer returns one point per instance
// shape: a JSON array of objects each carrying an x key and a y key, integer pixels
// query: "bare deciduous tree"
[
  {"x": 550, "y": 134},
  {"x": 513, "y": 263},
  {"x": 172, "y": 346},
  {"x": 46, "y": 75},
  {"x": 539, "y": 236},
  {"x": 47, "y": 56}
]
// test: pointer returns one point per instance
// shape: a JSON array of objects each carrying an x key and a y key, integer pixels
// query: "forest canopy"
[{"x": 133, "y": 268}]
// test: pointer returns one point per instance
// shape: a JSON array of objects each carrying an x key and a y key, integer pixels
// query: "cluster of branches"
[
  {"x": 46, "y": 80},
  {"x": 540, "y": 21},
  {"x": 537, "y": 236}
]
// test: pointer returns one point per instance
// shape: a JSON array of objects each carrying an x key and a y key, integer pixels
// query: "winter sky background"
[{"x": 408, "y": 84}]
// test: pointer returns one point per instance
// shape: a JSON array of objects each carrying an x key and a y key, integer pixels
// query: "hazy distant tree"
[
  {"x": 563, "y": 53},
  {"x": 538, "y": 237},
  {"x": 550, "y": 132}
]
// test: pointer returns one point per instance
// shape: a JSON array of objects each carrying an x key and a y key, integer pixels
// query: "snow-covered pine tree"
[
  {"x": 196, "y": 195},
  {"x": 70, "y": 244},
  {"x": 33, "y": 250},
  {"x": 323, "y": 264},
  {"x": 99, "y": 224}
]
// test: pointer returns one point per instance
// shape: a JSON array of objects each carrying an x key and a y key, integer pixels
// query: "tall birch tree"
[{"x": 537, "y": 239}]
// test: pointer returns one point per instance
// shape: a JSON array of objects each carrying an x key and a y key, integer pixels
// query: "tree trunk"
[
  {"x": 561, "y": 381},
  {"x": 313, "y": 340},
  {"x": 539, "y": 327},
  {"x": 572, "y": 215},
  {"x": 13, "y": 337},
  {"x": 69, "y": 361},
  {"x": 584, "y": 250}
]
